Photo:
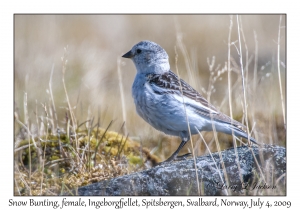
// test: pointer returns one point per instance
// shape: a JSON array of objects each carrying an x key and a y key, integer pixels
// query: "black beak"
[{"x": 128, "y": 55}]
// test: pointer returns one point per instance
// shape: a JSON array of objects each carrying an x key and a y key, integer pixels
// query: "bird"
[{"x": 169, "y": 104}]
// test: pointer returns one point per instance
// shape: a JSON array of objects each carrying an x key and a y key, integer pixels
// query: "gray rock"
[{"x": 179, "y": 178}]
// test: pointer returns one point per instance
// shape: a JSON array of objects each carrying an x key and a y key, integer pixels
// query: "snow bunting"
[{"x": 159, "y": 95}]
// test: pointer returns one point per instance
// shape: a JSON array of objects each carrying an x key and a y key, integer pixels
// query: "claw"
[
  {"x": 183, "y": 157},
  {"x": 178, "y": 158}
]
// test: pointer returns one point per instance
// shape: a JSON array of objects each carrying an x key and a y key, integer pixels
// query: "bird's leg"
[
  {"x": 174, "y": 155},
  {"x": 184, "y": 139}
]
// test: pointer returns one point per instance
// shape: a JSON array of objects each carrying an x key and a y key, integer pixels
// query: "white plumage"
[{"x": 159, "y": 101}]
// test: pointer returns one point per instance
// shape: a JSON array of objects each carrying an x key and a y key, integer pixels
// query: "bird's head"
[{"x": 149, "y": 57}]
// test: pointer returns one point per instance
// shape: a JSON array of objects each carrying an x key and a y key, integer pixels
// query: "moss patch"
[{"x": 57, "y": 164}]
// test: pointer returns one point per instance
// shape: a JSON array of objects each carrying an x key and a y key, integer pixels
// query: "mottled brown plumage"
[{"x": 170, "y": 82}]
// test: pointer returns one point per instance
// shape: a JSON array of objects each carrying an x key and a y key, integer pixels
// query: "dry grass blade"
[
  {"x": 64, "y": 68},
  {"x": 26, "y": 117},
  {"x": 244, "y": 94},
  {"x": 122, "y": 147},
  {"x": 214, "y": 160},
  {"x": 122, "y": 93},
  {"x": 98, "y": 144},
  {"x": 243, "y": 78},
  {"x": 187, "y": 120},
  {"x": 278, "y": 68},
  {"x": 52, "y": 99},
  {"x": 229, "y": 94}
]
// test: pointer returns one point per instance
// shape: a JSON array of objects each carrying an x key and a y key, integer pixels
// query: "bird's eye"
[{"x": 138, "y": 51}]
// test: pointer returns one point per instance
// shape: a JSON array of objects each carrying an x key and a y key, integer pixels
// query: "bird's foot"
[
  {"x": 178, "y": 158},
  {"x": 183, "y": 157}
]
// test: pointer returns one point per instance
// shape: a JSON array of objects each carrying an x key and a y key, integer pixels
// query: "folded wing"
[{"x": 170, "y": 83}]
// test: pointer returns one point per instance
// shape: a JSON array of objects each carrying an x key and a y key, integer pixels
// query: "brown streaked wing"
[{"x": 170, "y": 81}]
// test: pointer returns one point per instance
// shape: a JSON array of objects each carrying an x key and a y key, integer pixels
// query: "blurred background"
[{"x": 93, "y": 46}]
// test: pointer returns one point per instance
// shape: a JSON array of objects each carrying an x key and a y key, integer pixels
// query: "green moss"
[
  {"x": 135, "y": 160},
  {"x": 54, "y": 157},
  {"x": 97, "y": 157}
]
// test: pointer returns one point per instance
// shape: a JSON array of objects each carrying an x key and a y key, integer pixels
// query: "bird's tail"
[{"x": 240, "y": 133}]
